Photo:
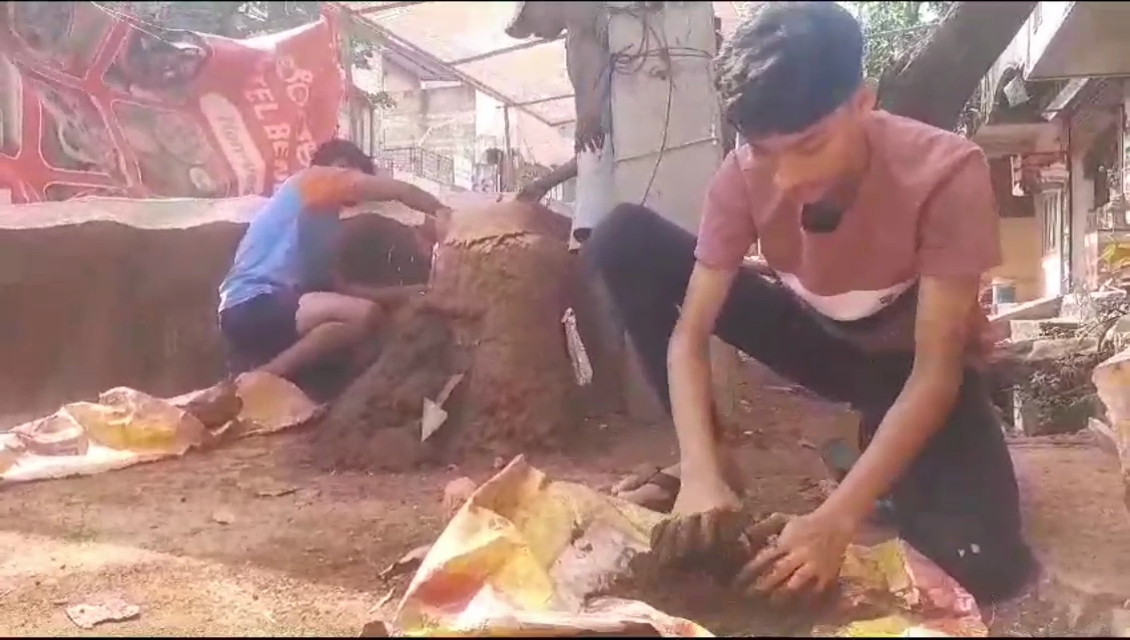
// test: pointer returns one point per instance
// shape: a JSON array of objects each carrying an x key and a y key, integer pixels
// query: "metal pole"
[
  {"x": 1067, "y": 222},
  {"x": 345, "y": 32},
  {"x": 507, "y": 172}
]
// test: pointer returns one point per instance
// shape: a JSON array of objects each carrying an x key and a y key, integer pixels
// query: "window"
[{"x": 1051, "y": 218}]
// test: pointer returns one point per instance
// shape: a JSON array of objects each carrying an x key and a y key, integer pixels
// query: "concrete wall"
[
  {"x": 1081, "y": 202},
  {"x": 535, "y": 140},
  {"x": 690, "y": 151},
  {"x": 99, "y": 293},
  {"x": 1051, "y": 268},
  {"x": 439, "y": 117},
  {"x": 1076, "y": 39},
  {"x": 1016, "y": 53},
  {"x": 1041, "y": 26},
  {"x": 457, "y": 121}
]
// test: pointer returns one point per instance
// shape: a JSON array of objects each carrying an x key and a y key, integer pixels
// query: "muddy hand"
[
  {"x": 433, "y": 230},
  {"x": 709, "y": 541},
  {"x": 531, "y": 193},
  {"x": 762, "y": 535},
  {"x": 763, "y": 532},
  {"x": 803, "y": 560}
]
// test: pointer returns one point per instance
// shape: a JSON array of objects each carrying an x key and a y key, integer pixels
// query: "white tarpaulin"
[{"x": 470, "y": 39}]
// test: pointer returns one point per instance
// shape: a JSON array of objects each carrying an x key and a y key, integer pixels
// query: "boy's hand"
[
  {"x": 532, "y": 192},
  {"x": 443, "y": 223},
  {"x": 806, "y": 557},
  {"x": 433, "y": 230},
  {"x": 704, "y": 511}
]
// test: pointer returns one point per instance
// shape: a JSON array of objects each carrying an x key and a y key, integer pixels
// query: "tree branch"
[{"x": 932, "y": 81}]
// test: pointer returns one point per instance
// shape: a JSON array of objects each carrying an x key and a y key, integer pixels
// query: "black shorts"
[{"x": 257, "y": 330}]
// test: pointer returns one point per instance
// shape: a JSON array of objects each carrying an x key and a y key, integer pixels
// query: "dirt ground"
[{"x": 206, "y": 545}]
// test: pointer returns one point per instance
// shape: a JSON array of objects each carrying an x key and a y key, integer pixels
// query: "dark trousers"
[{"x": 958, "y": 502}]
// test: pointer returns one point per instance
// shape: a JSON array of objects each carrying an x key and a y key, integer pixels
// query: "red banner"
[{"x": 93, "y": 103}]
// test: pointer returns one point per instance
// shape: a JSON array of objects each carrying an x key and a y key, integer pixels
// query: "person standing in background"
[{"x": 589, "y": 63}]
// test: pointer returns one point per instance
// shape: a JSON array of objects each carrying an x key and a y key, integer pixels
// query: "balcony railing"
[{"x": 421, "y": 162}]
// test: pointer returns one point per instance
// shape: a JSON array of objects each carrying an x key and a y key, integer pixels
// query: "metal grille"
[
  {"x": 420, "y": 162},
  {"x": 1053, "y": 201}
]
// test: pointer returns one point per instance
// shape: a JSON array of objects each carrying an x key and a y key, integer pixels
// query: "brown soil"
[
  {"x": 305, "y": 562},
  {"x": 492, "y": 315},
  {"x": 368, "y": 431},
  {"x": 218, "y": 543}
]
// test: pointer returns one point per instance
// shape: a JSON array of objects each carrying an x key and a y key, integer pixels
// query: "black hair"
[
  {"x": 788, "y": 65},
  {"x": 341, "y": 150}
]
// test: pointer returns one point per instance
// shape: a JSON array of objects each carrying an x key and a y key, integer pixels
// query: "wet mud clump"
[
  {"x": 691, "y": 569},
  {"x": 490, "y": 328}
]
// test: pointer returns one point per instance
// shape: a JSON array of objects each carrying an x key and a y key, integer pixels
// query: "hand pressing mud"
[
  {"x": 718, "y": 543},
  {"x": 763, "y": 558}
]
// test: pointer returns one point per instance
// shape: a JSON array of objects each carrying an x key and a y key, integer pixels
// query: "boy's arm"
[
  {"x": 960, "y": 240},
  {"x": 331, "y": 188},
  {"x": 689, "y": 379},
  {"x": 383, "y": 189},
  {"x": 328, "y": 188},
  {"x": 725, "y": 234}
]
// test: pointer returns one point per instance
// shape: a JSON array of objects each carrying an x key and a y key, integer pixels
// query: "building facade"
[{"x": 1053, "y": 123}]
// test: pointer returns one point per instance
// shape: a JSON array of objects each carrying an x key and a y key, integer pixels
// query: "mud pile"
[
  {"x": 698, "y": 585},
  {"x": 103, "y": 292},
  {"x": 493, "y": 314}
]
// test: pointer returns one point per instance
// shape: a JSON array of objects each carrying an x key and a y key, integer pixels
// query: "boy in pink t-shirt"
[{"x": 874, "y": 232}]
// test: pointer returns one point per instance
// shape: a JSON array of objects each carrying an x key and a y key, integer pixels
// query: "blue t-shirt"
[{"x": 290, "y": 244}]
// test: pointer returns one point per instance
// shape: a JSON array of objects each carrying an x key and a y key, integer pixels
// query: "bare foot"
[
  {"x": 657, "y": 489},
  {"x": 650, "y": 487}
]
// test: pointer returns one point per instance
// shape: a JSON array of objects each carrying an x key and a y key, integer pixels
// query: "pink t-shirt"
[{"x": 924, "y": 208}]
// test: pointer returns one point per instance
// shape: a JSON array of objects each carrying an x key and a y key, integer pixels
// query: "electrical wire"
[
  {"x": 152, "y": 30},
  {"x": 627, "y": 62}
]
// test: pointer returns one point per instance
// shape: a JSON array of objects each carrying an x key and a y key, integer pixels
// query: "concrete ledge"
[
  {"x": 172, "y": 213},
  {"x": 1032, "y": 310}
]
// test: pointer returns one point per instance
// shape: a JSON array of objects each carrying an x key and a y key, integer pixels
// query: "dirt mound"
[
  {"x": 493, "y": 314},
  {"x": 364, "y": 430},
  {"x": 697, "y": 585}
]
